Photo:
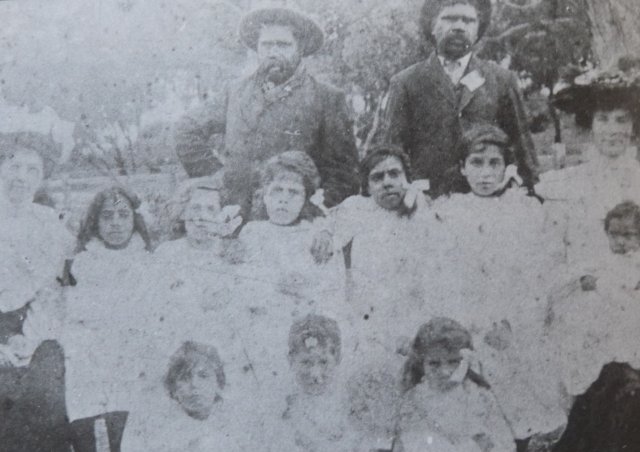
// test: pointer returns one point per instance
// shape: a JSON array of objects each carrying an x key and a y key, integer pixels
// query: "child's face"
[
  {"x": 612, "y": 132},
  {"x": 624, "y": 235},
  {"x": 388, "y": 183},
  {"x": 314, "y": 370},
  {"x": 197, "y": 395},
  {"x": 284, "y": 198},
  {"x": 484, "y": 170},
  {"x": 115, "y": 223},
  {"x": 22, "y": 175},
  {"x": 201, "y": 214},
  {"x": 439, "y": 366}
]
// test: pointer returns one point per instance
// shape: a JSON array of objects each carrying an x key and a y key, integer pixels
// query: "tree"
[{"x": 614, "y": 29}]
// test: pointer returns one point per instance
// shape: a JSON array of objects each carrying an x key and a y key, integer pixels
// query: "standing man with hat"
[
  {"x": 278, "y": 108},
  {"x": 431, "y": 102}
]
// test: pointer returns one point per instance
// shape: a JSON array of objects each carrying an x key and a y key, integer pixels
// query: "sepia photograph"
[{"x": 320, "y": 226}]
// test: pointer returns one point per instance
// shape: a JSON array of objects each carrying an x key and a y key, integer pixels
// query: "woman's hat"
[
  {"x": 612, "y": 88},
  {"x": 431, "y": 9},
  {"x": 281, "y": 13}
]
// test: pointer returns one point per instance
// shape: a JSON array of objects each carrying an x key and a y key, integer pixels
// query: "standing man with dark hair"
[
  {"x": 433, "y": 101},
  {"x": 280, "y": 107}
]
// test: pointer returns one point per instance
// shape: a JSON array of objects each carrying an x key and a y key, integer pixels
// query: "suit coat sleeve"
[
  {"x": 512, "y": 117},
  {"x": 338, "y": 157},
  {"x": 194, "y": 130}
]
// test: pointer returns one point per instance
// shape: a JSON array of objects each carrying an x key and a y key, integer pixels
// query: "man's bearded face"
[
  {"x": 456, "y": 30},
  {"x": 279, "y": 54}
]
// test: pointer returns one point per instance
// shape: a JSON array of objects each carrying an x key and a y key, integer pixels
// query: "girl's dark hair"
[
  {"x": 377, "y": 155},
  {"x": 439, "y": 332},
  {"x": 297, "y": 162},
  {"x": 627, "y": 209},
  {"x": 89, "y": 226},
  {"x": 184, "y": 360},
  {"x": 478, "y": 135}
]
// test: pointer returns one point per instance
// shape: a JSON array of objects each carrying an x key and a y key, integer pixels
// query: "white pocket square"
[{"x": 473, "y": 80}]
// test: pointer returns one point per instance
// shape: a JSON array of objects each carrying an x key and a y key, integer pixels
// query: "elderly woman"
[
  {"x": 105, "y": 322},
  {"x": 189, "y": 408}
]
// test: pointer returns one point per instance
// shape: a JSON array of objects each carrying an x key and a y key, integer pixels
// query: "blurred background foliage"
[{"x": 107, "y": 79}]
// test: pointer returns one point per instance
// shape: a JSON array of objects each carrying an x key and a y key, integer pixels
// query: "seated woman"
[
  {"x": 192, "y": 412},
  {"x": 34, "y": 247},
  {"x": 504, "y": 258},
  {"x": 448, "y": 406},
  {"x": 105, "y": 317},
  {"x": 605, "y": 101}
]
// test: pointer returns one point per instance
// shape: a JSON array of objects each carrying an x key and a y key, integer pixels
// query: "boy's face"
[
  {"x": 314, "y": 370},
  {"x": 197, "y": 395},
  {"x": 201, "y": 214},
  {"x": 22, "y": 174},
  {"x": 439, "y": 366},
  {"x": 612, "y": 132},
  {"x": 484, "y": 170},
  {"x": 388, "y": 183},
  {"x": 115, "y": 223},
  {"x": 284, "y": 198},
  {"x": 624, "y": 235}
]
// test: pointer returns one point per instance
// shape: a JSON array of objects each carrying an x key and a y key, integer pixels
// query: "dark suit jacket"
[
  {"x": 303, "y": 114},
  {"x": 425, "y": 114}
]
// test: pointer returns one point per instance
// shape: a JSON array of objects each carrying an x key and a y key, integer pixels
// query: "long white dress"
[
  {"x": 448, "y": 421},
  {"x": 586, "y": 193},
  {"x": 34, "y": 247},
  {"x": 593, "y": 328},
  {"x": 495, "y": 284},
  {"x": 106, "y": 328}
]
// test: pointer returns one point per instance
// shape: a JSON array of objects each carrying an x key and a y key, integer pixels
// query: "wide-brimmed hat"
[
  {"x": 431, "y": 9},
  {"x": 603, "y": 88},
  {"x": 281, "y": 13}
]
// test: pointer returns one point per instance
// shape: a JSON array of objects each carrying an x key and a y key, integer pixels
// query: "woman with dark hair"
[
  {"x": 607, "y": 103},
  {"x": 106, "y": 318},
  {"x": 112, "y": 219}
]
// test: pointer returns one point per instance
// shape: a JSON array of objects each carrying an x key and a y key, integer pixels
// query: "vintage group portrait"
[{"x": 320, "y": 226}]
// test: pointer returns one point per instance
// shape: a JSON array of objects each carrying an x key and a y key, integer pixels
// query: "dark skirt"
[
  {"x": 32, "y": 406},
  {"x": 606, "y": 418}
]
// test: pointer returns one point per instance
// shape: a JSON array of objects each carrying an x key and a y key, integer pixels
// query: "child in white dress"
[
  {"x": 448, "y": 406},
  {"x": 504, "y": 255},
  {"x": 594, "y": 318}
]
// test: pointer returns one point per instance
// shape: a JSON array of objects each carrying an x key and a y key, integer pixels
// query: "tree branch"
[{"x": 521, "y": 28}]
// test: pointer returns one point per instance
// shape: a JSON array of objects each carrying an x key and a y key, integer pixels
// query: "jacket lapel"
[
  {"x": 440, "y": 79},
  {"x": 467, "y": 95}
]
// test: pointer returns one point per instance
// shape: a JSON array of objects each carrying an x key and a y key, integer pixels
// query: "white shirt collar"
[{"x": 460, "y": 67}]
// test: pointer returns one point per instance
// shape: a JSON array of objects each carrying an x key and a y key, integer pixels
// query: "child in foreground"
[{"x": 448, "y": 406}]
